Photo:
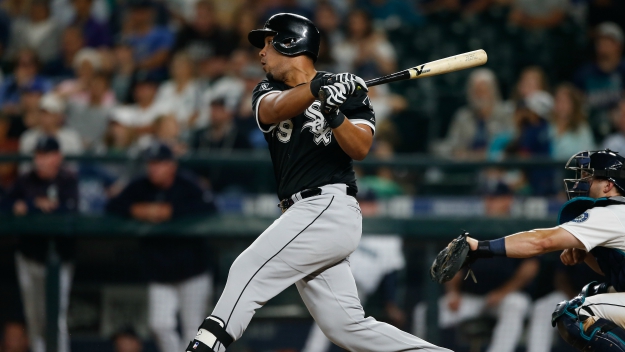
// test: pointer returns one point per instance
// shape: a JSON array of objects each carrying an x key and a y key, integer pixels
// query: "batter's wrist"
[{"x": 334, "y": 118}]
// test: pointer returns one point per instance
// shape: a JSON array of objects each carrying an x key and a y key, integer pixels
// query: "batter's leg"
[
  {"x": 313, "y": 234},
  {"x": 332, "y": 299}
]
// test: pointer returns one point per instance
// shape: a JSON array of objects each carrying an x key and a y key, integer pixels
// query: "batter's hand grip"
[{"x": 322, "y": 98}]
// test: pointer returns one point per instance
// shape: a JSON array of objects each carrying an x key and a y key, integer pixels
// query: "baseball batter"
[
  {"x": 321, "y": 224},
  {"x": 591, "y": 230}
]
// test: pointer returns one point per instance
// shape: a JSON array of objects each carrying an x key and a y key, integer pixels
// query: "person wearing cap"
[
  {"x": 603, "y": 81},
  {"x": 178, "y": 275},
  {"x": 47, "y": 189},
  {"x": 51, "y": 118}
]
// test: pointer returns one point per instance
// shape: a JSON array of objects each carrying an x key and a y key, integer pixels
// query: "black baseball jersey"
[{"x": 304, "y": 153}]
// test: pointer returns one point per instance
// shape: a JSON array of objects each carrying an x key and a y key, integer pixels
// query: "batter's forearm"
[
  {"x": 282, "y": 106},
  {"x": 355, "y": 140}
]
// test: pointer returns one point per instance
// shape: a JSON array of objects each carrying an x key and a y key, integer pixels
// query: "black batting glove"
[
  {"x": 352, "y": 82},
  {"x": 317, "y": 83}
]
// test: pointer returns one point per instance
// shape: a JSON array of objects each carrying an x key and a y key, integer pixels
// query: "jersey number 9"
[{"x": 285, "y": 129}]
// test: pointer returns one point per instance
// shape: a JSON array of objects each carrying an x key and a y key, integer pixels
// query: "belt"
[{"x": 286, "y": 203}]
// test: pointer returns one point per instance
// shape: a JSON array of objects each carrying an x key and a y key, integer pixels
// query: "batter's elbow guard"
[
  {"x": 210, "y": 333},
  {"x": 602, "y": 335}
]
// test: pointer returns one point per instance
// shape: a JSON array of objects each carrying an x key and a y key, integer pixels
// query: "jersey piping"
[{"x": 271, "y": 127}]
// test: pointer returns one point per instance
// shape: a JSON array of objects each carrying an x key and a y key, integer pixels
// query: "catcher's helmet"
[
  {"x": 293, "y": 35},
  {"x": 604, "y": 164}
]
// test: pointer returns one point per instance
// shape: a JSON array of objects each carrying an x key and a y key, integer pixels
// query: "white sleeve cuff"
[
  {"x": 572, "y": 231},
  {"x": 363, "y": 122},
  {"x": 256, "y": 112}
]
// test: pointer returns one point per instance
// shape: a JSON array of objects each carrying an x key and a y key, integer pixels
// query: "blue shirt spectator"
[
  {"x": 150, "y": 43},
  {"x": 97, "y": 34},
  {"x": 24, "y": 78}
]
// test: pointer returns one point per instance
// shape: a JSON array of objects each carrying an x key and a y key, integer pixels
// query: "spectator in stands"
[
  {"x": 180, "y": 96},
  {"x": 466, "y": 7},
  {"x": 63, "y": 66},
  {"x": 150, "y": 43},
  {"x": 16, "y": 8},
  {"x": 498, "y": 294},
  {"x": 483, "y": 127},
  {"x": 127, "y": 340},
  {"x": 531, "y": 80},
  {"x": 51, "y": 118},
  {"x": 90, "y": 117},
  {"x": 165, "y": 129},
  {"x": 329, "y": 23},
  {"x": 39, "y": 32},
  {"x": 392, "y": 13},
  {"x": 204, "y": 37},
  {"x": 179, "y": 278},
  {"x": 24, "y": 77},
  {"x": 244, "y": 19},
  {"x": 603, "y": 81},
  {"x": 87, "y": 62},
  {"x": 533, "y": 140},
  {"x": 25, "y": 116},
  {"x": 47, "y": 189},
  {"x": 570, "y": 132},
  {"x": 118, "y": 138},
  {"x": 14, "y": 338},
  {"x": 97, "y": 34},
  {"x": 222, "y": 134},
  {"x": 365, "y": 52},
  {"x": 538, "y": 14},
  {"x": 616, "y": 141},
  {"x": 146, "y": 108},
  {"x": 124, "y": 70},
  {"x": 532, "y": 127}
]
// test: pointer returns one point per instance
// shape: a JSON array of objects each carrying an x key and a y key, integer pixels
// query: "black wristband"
[{"x": 335, "y": 118}]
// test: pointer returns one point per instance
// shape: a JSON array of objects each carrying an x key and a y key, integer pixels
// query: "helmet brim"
[{"x": 257, "y": 37}]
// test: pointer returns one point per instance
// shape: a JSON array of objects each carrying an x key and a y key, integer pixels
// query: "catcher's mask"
[{"x": 601, "y": 164}]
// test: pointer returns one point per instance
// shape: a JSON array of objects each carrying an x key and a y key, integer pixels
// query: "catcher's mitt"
[{"x": 451, "y": 259}]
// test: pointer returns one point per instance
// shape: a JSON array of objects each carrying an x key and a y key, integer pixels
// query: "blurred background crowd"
[{"x": 169, "y": 81}]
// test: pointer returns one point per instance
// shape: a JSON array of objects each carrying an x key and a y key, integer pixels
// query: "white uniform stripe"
[
  {"x": 256, "y": 112},
  {"x": 363, "y": 122}
]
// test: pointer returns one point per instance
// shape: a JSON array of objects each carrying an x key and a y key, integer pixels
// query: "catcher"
[{"x": 591, "y": 230}]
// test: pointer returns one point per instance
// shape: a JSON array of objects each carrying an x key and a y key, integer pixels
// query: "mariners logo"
[
  {"x": 317, "y": 124},
  {"x": 581, "y": 218}
]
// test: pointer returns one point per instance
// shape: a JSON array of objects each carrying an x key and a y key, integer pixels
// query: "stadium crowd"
[{"x": 169, "y": 78}]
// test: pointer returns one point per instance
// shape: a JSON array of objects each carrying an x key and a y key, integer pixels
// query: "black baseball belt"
[{"x": 286, "y": 203}]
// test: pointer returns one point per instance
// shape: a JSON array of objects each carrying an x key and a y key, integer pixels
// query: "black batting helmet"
[
  {"x": 604, "y": 164},
  {"x": 293, "y": 35}
]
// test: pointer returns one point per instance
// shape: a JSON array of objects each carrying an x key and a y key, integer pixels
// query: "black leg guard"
[
  {"x": 603, "y": 335},
  {"x": 209, "y": 334}
]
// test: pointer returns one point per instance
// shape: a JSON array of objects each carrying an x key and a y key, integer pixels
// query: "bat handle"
[{"x": 322, "y": 98}]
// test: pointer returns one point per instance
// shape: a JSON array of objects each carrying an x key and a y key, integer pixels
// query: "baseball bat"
[
  {"x": 433, "y": 68},
  {"x": 438, "y": 67}
]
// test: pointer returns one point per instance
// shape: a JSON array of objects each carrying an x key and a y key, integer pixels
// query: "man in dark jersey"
[{"x": 312, "y": 147}]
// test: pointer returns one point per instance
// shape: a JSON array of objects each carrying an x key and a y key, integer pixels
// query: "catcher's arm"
[{"x": 527, "y": 244}]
